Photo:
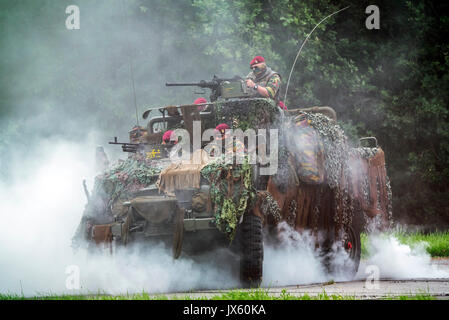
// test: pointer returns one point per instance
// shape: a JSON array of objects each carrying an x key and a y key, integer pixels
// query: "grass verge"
[
  {"x": 255, "y": 294},
  {"x": 437, "y": 244}
]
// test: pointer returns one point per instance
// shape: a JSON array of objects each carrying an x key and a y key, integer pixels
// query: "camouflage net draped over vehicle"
[
  {"x": 125, "y": 178},
  {"x": 336, "y": 164},
  {"x": 339, "y": 166},
  {"x": 376, "y": 192},
  {"x": 244, "y": 114},
  {"x": 231, "y": 192}
]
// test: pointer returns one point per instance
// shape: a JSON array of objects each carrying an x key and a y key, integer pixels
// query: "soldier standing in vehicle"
[
  {"x": 202, "y": 104},
  {"x": 263, "y": 80}
]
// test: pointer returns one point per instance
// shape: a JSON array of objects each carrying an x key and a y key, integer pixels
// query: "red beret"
[
  {"x": 222, "y": 127},
  {"x": 257, "y": 59},
  {"x": 200, "y": 100},
  {"x": 167, "y": 135},
  {"x": 282, "y": 105}
]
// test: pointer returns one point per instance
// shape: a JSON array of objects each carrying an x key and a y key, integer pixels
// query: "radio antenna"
[
  {"x": 131, "y": 68},
  {"x": 302, "y": 46}
]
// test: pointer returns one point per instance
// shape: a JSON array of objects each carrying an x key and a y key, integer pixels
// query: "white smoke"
[
  {"x": 40, "y": 209},
  {"x": 292, "y": 261},
  {"x": 42, "y": 205},
  {"x": 401, "y": 261}
]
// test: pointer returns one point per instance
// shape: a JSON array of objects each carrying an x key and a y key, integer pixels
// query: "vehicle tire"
[
  {"x": 353, "y": 247},
  {"x": 354, "y": 250},
  {"x": 251, "y": 259}
]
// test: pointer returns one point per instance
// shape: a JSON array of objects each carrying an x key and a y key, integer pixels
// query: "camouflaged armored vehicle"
[{"x": 306, "y": 177}]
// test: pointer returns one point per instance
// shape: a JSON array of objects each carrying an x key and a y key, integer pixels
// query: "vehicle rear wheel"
[
  {"x": 353, "y": 244},
  {"x": 353, "y": 247},
  {"x": 251, "y": 260}
]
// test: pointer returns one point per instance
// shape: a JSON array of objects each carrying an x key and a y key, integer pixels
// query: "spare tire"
[{"x": 251, "y": 259}]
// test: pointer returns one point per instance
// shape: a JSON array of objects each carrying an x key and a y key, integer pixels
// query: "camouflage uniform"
[{"x": 270, "y": 79}]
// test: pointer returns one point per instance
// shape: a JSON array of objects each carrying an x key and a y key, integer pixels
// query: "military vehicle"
[{"x": 319, "y": 185}]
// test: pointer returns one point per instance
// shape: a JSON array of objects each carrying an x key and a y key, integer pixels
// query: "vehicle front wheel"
[{"x": 251, "y": 260}]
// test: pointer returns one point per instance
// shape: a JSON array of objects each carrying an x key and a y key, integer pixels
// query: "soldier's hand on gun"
[{"x": 250, "y": 83}]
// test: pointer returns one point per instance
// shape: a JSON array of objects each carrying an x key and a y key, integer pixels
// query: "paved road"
[
  {"x": 361, "y": 288},
  {"x": 438, "y": 288}
]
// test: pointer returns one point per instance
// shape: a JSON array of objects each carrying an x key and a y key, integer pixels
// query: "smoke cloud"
[
  {"x": 400, "y": 261},
  {"x": 43, "y": 204},
  {"x": 41, "y": 210},
  {"x": 292, "y": 261}
]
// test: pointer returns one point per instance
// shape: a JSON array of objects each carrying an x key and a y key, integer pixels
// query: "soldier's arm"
[
  {"x": 261, "y": 90},
  {"x": 270, "y": 90},
  {"x": 273, "y": 86}
]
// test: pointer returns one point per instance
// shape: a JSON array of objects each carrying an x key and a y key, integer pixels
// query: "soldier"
[
  {"x": 166, "y": 138},
  {"x": 170, "y": 139},
  {"x": 201, "y": 101},
  {"x": 230, "y": 146},
  {"x": 221, "y": 131},
  {"x": 265, "y": 82}
]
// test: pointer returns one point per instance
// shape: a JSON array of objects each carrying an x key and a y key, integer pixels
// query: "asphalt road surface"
[{"x": 361, "y": 287}]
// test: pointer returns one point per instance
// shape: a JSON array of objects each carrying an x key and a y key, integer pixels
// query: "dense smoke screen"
[
  {"x": 63, "y": 83},
  {"x": 400, "y": 261},
  {"x": 292, "y": 260},
  {"x": 42, "y": 206}
]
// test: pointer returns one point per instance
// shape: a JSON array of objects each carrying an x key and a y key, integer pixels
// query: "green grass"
[
  {"x": 422, "y": 296},
  {"x": 437, "y": 244},
  {"x": 263, "y": 294},
  {"x": 255, "y": 294}
]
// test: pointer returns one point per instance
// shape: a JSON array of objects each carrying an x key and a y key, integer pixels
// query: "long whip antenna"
[
  {"x": 131, "y": 68},
  {"x": 302, "y": 46}
]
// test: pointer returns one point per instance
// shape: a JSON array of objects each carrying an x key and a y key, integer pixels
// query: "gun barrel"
[{"x": 182, "y": 84}]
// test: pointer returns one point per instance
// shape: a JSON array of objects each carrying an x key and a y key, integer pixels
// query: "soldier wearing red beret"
[
  {"x": 264, "y": 81},
  {"x": 231, "y": 146},
  {"x": 166, "y": 138},
  {"x": 221, "y": 131},
  {"x": 202, "y": 104}
]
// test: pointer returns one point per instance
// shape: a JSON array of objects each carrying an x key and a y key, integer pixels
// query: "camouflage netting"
[
  {"x": 120, "y": 181},
  {"x": 383, "y": 196},
  {"x": 269, "y": 208},
  {"x": 231, "y": 192},
  {"x": 338, "y": 164},
  {"x": 246, "y": 114}
]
